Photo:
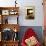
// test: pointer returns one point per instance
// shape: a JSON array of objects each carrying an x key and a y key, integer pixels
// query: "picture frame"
[
  {"x": 5, "y": 12},
  {"x": 30, "y": 12}
]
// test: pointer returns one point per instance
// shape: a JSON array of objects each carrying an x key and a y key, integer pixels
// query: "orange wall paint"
[
  {"x": 44, "y": 13},
  {"x": 45, "y": 20}
]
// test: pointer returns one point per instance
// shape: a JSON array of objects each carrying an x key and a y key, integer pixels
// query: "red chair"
[{"x": 29, "y": 33}]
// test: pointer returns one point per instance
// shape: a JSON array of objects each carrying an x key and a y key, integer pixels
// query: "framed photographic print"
[
  {"x": 30, "y": 12},
  {"x": 5, "y": 12}
]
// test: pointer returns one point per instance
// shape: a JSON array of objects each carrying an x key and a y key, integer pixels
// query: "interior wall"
[
  {"x": 37, "y": 29},
  {"x": 45, "y": 22},
  {"x": 45, "y": 13},
  {"x": 38, "y": 21}
]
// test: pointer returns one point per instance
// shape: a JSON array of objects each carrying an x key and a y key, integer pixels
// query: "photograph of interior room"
[{"x": 32, "y": 14}]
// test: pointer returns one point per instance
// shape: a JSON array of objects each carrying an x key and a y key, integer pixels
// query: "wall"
[
  {"x": 44, "y": 12},
  {"x": 45, "y": 22},
  {"x": 38, "y": 30},
  {"x": 38, "y": 21}
]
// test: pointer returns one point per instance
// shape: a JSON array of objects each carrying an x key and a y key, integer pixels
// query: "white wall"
[{"x": 38, "y": 21}]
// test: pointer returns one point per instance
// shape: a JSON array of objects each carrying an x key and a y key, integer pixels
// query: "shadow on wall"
[{"x": 37, "y": 29}]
